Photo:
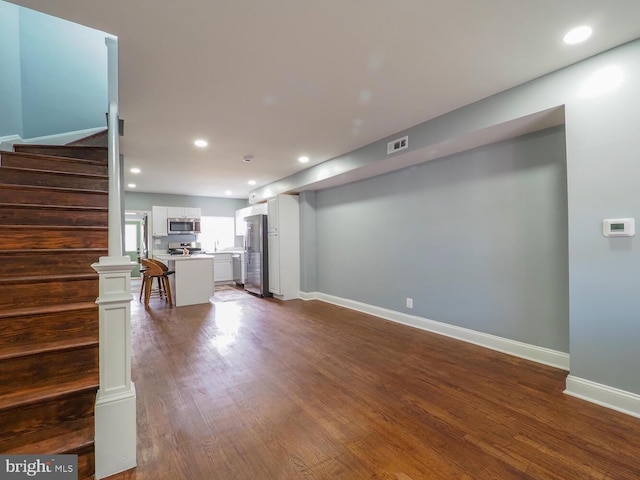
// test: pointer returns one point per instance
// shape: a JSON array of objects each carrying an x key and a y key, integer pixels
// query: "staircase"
[{"x": 53, "y": 226}]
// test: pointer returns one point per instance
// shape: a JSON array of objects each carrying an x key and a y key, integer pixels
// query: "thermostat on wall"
[{"x": 618, "y": 227}]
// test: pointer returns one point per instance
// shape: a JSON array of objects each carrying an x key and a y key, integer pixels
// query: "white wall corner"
[
  {"x": 308, "y": 295},
  {"x": 546, "y": 356},
  {"x": 7, "y": 142},
  {"x": 603, "y": 395}
]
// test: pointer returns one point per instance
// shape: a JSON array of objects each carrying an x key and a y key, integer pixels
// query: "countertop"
[{"x": 167, "y": 257}]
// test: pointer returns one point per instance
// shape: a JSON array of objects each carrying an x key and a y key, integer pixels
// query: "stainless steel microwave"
[{"x": 183, "y": 226}]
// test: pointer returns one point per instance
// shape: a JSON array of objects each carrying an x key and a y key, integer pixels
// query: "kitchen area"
[{"x": 205, "y": 252}]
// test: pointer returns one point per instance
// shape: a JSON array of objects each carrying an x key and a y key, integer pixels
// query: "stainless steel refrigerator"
[{"x": 256, "y": 261}]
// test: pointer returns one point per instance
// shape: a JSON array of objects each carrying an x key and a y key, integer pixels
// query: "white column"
[{"x": 115, "y": 414}]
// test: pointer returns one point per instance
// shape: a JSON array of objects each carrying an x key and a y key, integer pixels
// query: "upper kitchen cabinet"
[
  {"x": 257, "y": 209},
  {"x": 183, "y": 212},
  {"x": 283, "y": 225},
  {"x": 159, "y": 221},
  {"x": 273, "y": 213}
]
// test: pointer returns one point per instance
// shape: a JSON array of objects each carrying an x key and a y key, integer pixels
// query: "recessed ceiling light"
[
  {"x": 135, "y": 170},
  {"x": 131, "y": 185},
  {"x": 577, "y": 35},
  {"x": 251, "y": 182},
  {"x": 303, "y": 159},
  {"x": 228, "y": 192},
  {"x": 201, "y": 143}
]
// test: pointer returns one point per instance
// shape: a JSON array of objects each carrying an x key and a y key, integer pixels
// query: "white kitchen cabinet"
[
  {"x": 273, "y": 246},
  {"x": 283, "y": 241},
  {"x": 159, "y": 221},
  {"x": 273, "y": 214},
  {"x": 222, "y": 267},
  {"x": 241, "y": 214},
  {"x": 183, "y": 212}
]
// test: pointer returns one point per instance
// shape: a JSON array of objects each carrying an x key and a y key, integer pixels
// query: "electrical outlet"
[{"x": 409, "y": 302}]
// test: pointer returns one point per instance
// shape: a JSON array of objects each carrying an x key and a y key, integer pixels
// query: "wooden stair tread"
[
  {"x": 47, "y": 393},
  {"x": 54, "y": 172},
  {"x": 25, "y": 350},
  {"x": 79, "y": 208},
  {"x": 73, "y": 437},
  {"x": 28, "y": 311},
  {"x": 54, "y": 227},
  {"x": 55, "y": 157},
  {"x": 48, "y": 251},
  {"x": 47, "y": 278},
  {"x": 57, "y": 189}
]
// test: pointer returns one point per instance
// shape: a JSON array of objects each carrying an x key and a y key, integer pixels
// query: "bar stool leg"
[{"x": 167, "y": 288}]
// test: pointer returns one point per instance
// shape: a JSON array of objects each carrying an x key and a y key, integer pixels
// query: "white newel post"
[{"x": 115, "y": 413}]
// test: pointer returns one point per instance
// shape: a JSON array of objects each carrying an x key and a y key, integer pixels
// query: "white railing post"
[{"x": 115, "y": 413}]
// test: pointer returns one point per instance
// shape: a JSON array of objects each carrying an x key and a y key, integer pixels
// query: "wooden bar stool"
[{"x": 155, "y": 269}]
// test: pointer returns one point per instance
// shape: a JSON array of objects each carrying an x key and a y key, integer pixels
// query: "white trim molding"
[
  {"x": 534, "y": 353},
  {"x": 603, "y": 395}
]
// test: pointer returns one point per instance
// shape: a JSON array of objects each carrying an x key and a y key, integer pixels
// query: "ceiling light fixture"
[
  {"x": 228, "y": 192},
  {"x": 201, "y": 143},
  {"x": 577, "y": 35},
  {"x": 131, "y": 185},
  {"x": 135, "y": 170},
  {"x": 303, "y": 159},
  {"x": 251, "y": 182}
]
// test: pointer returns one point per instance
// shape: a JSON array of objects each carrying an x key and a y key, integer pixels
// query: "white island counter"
[{"x": 192, "y": 282}]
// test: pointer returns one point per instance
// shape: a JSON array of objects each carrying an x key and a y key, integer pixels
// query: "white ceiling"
[{"x": 282, "y": 78}]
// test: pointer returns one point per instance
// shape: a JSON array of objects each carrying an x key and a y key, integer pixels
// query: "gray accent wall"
[
  {"x": 210, "y": 206},
  {"x": 54, "y": 74},
  {"x": 64, "y": 75},
  {"x": 477, "y": 240},
  {"x": 603, "y": 181},
  {"x": 10, "y": 89}
]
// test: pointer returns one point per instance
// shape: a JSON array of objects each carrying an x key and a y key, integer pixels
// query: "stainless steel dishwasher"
[{"x": 236, "y": 260}]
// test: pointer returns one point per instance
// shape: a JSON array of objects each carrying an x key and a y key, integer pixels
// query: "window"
[{"x": 216, "y": 233}]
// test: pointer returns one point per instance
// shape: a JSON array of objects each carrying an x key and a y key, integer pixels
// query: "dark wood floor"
[{"x": 261, "y": 389}]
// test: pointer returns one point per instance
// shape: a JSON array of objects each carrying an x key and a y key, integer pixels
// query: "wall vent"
[{"x": 397, "y": 145}]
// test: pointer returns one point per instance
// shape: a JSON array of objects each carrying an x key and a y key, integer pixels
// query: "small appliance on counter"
[{"x": 179, "y": 248}]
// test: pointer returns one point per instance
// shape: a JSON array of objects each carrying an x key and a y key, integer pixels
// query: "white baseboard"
[
  {"x": 603, "y": 395},
  {"x": 63, "y": 138},
  {"x": 534, "y": 353},
  {"x": 7, "y": 142}
]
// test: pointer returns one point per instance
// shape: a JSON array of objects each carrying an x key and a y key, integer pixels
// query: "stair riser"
[
  {"x": 43, "y": 178},
  {"x": 48, "y": 368},
  {"x": 48, "y": 216},
  {"x": 40, "y": 416},
  {"x": 56, "y": 164},
  {"x": 44, "y": 196},
  {"x": 40, "y": 294},
  {"x": 89, "y": 153},
  {"x": 30, "y": 330},
  {"x": 47, "y": 263},
  {"x": 52, "y": 238}
]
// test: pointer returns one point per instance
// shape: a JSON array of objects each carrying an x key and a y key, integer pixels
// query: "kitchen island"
[{"x": 192, "y": 282}]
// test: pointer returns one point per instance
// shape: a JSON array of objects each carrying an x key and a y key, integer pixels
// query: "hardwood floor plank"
[{"x": 262, "y": 389}]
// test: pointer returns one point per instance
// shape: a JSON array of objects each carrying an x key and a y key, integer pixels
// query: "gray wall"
[
  {"x": 10, "y": 90},
  {"x": 603, "y": 181},
  {"x": 53, "y": 77},
  {"x": 64, "y": 75},
  {"x": 210, "y": 206},
  {"x": 478, "y": 240}
]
